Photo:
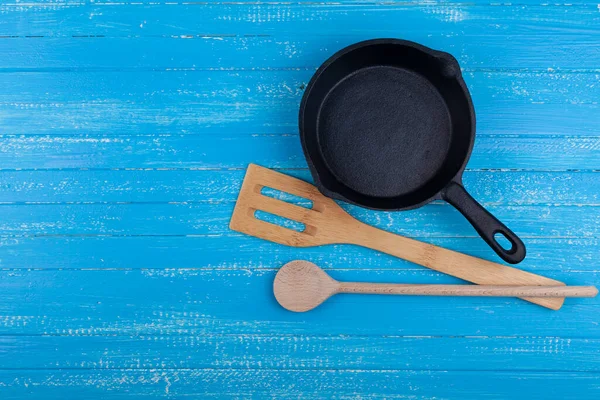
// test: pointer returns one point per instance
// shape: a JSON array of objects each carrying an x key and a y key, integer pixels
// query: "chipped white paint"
[{"x": 448, "y": 14}]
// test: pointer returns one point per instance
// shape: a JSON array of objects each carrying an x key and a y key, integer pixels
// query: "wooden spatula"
[
  {"x": 301, "y": 286},
  {"x": 327, "y": 223}
]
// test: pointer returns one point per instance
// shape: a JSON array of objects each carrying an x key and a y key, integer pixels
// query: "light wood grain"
[
  {"x": 328, "y": 223},
  {"x": 467, "y": 290},
  {"x": 302, "y": 286}
]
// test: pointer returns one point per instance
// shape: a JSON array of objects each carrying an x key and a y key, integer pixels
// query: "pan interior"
[{"x": 384, "y": 131}]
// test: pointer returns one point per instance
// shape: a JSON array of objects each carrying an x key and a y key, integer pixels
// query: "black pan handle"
[{"x": 485, "y": 223}]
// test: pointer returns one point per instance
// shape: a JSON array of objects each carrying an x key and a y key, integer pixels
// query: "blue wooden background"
[{"x": 125, "y": 130}]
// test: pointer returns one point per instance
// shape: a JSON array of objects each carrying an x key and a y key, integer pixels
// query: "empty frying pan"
[{"x": 389, "y": 124}]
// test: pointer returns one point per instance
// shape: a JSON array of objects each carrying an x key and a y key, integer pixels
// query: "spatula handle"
[
  {"x": 467, "y": 290},
  {"x": 450, "y": 262}
]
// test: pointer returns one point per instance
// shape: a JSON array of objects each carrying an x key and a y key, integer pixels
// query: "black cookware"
[{"x": 389, "y": 124}]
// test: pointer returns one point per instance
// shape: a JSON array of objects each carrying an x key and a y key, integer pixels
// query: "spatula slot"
[
  {"x": 279, "y": 221},
  {"x": 287, "y": 197}
]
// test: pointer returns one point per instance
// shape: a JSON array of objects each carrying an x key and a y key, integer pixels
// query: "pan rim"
[{"x": 370, "y": 200}]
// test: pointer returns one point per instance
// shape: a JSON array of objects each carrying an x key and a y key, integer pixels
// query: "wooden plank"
[
  {"x": 114, "y": 3},
  {"x": 424, "y": 20},
  {"x": 273, "y": 151},
  {"x": 225, "y": 3},
  {"x": 294, "y": 384},
  {"x": 500, "y": 89},
  {"x": 539, "y": 53},
  {"x": 440, "y": 220},
  {"x": 210, "y": 302},
  {"x": 544, "y": 255},
  {"x": 175, "y": 102},
  {"x": 177, "y": 186},
  {"x": 286, "y": 351}
]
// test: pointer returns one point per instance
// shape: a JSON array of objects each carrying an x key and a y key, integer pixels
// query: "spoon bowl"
[{"x": 301, "y": 286}]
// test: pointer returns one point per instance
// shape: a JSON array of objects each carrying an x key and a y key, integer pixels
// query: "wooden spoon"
[{"x": 301, "y": 286}]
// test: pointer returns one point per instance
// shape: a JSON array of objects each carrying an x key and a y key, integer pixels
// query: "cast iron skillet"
[{"x": 389, "y": 124}]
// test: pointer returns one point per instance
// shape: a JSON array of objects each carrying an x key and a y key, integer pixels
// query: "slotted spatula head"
[{"x": 323, "y": 223}]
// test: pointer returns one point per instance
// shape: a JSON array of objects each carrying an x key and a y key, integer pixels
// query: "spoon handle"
[{"x": 467, "y": 290}]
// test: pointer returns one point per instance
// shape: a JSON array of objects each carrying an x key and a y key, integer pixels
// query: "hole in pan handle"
[{"x": 485, "y": 223}]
